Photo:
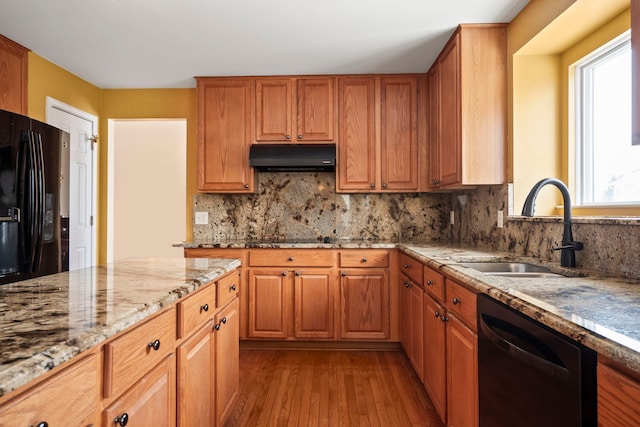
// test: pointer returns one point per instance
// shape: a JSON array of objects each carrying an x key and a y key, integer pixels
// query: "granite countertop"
[
  {"x": 601, "y": 312},
  {"x": 48, "y": 320}
]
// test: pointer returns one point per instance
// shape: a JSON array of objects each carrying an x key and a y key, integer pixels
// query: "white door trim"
[{"x": 52, "y": 104}]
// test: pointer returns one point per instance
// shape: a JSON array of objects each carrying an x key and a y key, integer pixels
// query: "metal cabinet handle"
[
  {"x": 406, "y": 266},
  {"x": 204, "y": 308},
  {"x": 288, "y": 136},
  {"x": 246, "y": 186},
  {"x": 284, "y": 273},
  {"x": 373, "y": 186},
  {"x": 444, "y": 319},
  {"x": 384, "y": 185},
  {"x": 437, "y": 314},
  {"x": 154, "y": 345},
  {"x": 299, "y": 136},
  {"x": 344, "y": 273},
  {"x": 42, "y": 424},
  {"x": 223, "y": 320},
  {"x": 216, "y": 326},
  {"x": 233, "y": 287},
  {"x": 290, "y": 258},
  {"x": 297, "y": 273},
  {"x": 363, "y": 260},
  {"x": 406, "y": 284},
  {"x": 455, "y": 300},
  {"x": 122, "y": 420},
  {"x": 429, "y": 282}
]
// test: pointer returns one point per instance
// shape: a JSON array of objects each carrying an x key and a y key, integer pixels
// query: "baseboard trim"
[{"x": 320, "y": 345}]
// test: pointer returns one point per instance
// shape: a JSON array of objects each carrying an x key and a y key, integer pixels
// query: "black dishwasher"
[{"x": 530, "y": 375}]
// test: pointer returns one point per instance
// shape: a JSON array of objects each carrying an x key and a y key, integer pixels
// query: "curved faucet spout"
[{"x": 568, "y": 246}]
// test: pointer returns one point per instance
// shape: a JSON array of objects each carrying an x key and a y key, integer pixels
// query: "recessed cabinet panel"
[
  {"x": 364, "y": 304},
  {"x": 273, "y": 109},
  {"x": 316, "y": 112}
]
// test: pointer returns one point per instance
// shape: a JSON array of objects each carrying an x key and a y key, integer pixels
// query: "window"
[{"x": 607, "y": 165}]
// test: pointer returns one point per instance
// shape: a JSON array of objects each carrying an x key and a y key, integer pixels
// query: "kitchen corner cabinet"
[
  {"x": 618, "y": 395},
  {"x": 301, "y": 110},
  {"x": 378, "y": 133},
  {"x": 224, "y": 135},
  {"x": 468, "y": 109},
  {"x": 13, "y": 76}
]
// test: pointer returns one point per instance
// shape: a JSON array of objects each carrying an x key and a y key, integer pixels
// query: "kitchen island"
[{"x": 53, "y": 321}]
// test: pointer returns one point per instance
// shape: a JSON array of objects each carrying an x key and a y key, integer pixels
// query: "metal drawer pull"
[
  {"x": 233, "y": 287},
  {"x": 122, "y": 420},
  {"x": 204, "y": 308},
  {"x": 154, "y": 345},
  {"x": 455, "y": 301}
]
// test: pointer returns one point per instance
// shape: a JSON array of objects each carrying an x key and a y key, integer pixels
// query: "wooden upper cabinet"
[
  {"x": 295, "y": 109},
  {"x": 273, "y": 109},
  {"x": 378, "y": 134},
  {"x": 13, "y": 76},
  {"x": 224, "y": 135},
  {"x": 356, "y": 133},
  {"x": 399, "y": 133},
  {"x": 468, "y": 91}
]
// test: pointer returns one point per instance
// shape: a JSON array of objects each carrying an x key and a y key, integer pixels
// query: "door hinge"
[{"x": 91, "y": 220}]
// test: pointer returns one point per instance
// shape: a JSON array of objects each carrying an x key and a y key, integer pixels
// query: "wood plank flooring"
[{"x": 330, "y": 388}]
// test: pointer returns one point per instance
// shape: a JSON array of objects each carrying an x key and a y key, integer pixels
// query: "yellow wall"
[
  {"x": 142, "y": 104},
  {"x": 539, "y": 123},
  {"x": 48, "y": 79}
]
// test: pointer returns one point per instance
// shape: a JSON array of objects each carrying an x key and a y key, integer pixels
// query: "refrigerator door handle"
[{"x": 40, "y": 195}]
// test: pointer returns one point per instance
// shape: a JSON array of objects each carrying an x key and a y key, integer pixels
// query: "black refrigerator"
[{"x": 34, "y": 198}]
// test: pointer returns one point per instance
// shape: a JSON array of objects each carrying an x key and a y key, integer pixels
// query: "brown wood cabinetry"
[
  {"x": 412, "y": 327},
  {"x": 269, "y": 303},
  {"x": 314, "y": 309},
  {"x": 364, "y": 304},
  {"x": 618, "y": 395},
  {"x": 468, "y": 109},
  {"x": 434, "y": 375},
  {"x": 295, "y": 109},
  {"x": 151, "y": 401},
  {"x": 13, "y": 76},
  {"x": 224, "y": 135},
  {"x": 227, "y": 360},
  {"x": 70, "y": 397},
  {"x": 378, "y": 134}
]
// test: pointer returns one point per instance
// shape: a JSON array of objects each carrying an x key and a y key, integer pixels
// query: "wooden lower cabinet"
[
  {"x": 618, "y": 396},
  {"x": 364, "y": 304},
  {"x": 227, "y": 359},
  {"x": 196, "y": 388},
  {"x": 291, "y": 304},
  {"x": 150, "y": 402},
  {"x": 434, "y": 375},
  {"x": 69, "y": 397},
  {"x": 411, "y": 335},
  {"x": 462, "y": 374}
]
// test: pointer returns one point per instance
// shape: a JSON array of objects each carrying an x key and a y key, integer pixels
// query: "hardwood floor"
[{"x": 330, "y": 388}]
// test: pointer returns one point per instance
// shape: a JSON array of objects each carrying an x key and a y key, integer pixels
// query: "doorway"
[
  {"x": 82, "y": 127},
  {"x": 147, "y": 188}
]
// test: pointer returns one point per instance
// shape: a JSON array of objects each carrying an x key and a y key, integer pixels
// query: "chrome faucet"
[{"x": 568, "y": 246}]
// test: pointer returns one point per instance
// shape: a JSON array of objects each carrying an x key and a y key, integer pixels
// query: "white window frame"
[{"x": 584, "y": 114}]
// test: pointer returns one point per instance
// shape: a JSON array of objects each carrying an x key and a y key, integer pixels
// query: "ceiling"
[{"x": 165, "y": 43}]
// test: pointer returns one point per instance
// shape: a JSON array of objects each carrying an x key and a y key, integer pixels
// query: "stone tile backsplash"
[{"x": 304, "y": 205}]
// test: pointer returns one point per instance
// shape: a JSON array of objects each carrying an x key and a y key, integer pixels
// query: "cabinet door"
[
  {"x": 415, "y": 308},
  {"x": 316, "y": 112},
  {"x": 364, "y": 304},
  {"x": 227, "y": 361},
  {"x": 462, "y": 373},
  {"x": 449, "y": 113},
  {"x": 269, "y": 303},
  {"x": 314, "y": 304},
  {"x": 150, "y": 402},
  {"x": 435, "y": 356},
  {"x": 274, "y": 109},
  {"x": 196, "y": 379},
  {"x": 13, "y": 76},
  {"x": 356, "y": 129},
  {"x": 399, "y": 133},
  {"x": 433, "y": 131},
  {"x": 224, "y": 135},
  {"x": 618, "y": 398}
]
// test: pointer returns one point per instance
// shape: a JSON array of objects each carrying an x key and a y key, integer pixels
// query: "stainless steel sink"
[{"x": 512, "y": 269}]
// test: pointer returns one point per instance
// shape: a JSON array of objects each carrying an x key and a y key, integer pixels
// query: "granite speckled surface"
[
  {"x": 602, "y": 312},
  {"x": 47, "y": 321}
]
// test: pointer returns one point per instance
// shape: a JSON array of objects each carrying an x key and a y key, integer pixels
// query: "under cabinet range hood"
[{"x": 293, "y": 157}]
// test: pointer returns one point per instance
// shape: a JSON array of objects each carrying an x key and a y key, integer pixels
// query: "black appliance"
[
  {"x": 530, "y": 375},
  {"x": 34, "y": 198},
  {"x": 293, "y": 157}
]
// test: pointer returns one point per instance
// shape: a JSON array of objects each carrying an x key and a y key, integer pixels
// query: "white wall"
[{"x": 147, "y": 179}]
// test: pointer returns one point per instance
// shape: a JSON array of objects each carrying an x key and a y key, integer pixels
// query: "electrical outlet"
[
  {"x": 452, "y": 217},
  {"x": 202, "y": 218},
  {"x": 500, "y": 219}
]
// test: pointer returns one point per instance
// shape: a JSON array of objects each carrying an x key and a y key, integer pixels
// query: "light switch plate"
[
  {"x": 452, "y": 217},
  {"x": 500, "y": 219},
  {"x": 202, "y": 218}
]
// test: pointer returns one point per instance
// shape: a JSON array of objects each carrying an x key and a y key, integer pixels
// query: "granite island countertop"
[
  {"x": 48, "y": 320},
  {"x": 602, "y": 312}
]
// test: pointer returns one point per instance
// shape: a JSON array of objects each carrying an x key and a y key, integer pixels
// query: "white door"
[{"x": 82, "y": 127}]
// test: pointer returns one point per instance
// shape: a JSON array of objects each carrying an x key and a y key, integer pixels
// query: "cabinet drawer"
[
  {"x": 130, "y": 356},
  {"x": 434, "y": 283},
  {"x": 196, "y": 309},
  {"x": 411, "y": 267},
  {"x": 368, "y": 258},
  {"x": 291, "y": 258},
  {"x": 68, "y": 398},
  {"x": 462, "y": 302},
  {"x": 227, "y": 288}
]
